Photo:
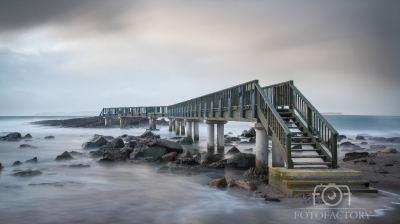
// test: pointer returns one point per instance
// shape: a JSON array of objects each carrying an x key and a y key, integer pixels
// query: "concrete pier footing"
[
  {"x": 177, "y": 127},
  {"x": 189, "y": 129},
  {"x": 262, "y": 142},
  {"x": 220, "y": 136},
  {"x": 210, "y": 138},
  {"x": 277, "y": 160},
  {"x": 107, "y": 121},
  {"x": 182, "y": 128},
  {"x": 170, "y": 124},
  {"x": 220, "y": 139},
  {"x": 195, "y": 131}
]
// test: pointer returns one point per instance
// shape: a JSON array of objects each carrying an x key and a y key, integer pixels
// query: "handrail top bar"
[
  {"x": 315, "y": 110},
  {"x": 277, "y": 116},
  {"x": 246, "y": 83},
  {"x": 131, "y": 107},
  {"x": 278, "y": 84}
]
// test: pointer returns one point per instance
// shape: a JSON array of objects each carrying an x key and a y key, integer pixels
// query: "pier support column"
[
  {"x": 210, "y": 138},
  {"x": 220, "y": 136},
  {"x": 170, "y": 124},
  {"x": 277, "y": 160},
  {"x": 108, "y": 121},
  {"x": 122, "y": 122},
  {"x": 262, "y": 142},
  {"x": 189, "y": 129},
  {"x": 183, "y": 128},
  {"x": 150, "y": 123},
  {"x": 154, "y": 124},
  {"x": 195, "y": 131},
  {"x": 177, "y": 127}
]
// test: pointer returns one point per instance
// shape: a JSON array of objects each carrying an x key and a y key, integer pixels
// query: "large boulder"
[
  {"x": 169, "y": 145},
  {"x": 126, "y": 150},
  {"x": 11, "y": 137},
  {"x": 209, "y": 159},
  {"x": 233, "y": 151},
  {"x": 34, "y": 160},
  {"x": 170, "y": 157},
  {"x": 389, "y": 150},
  {"x": 28, "y": 136},
  {"x": 250, "y": 133},
  {"x": 359, "y": 137},
  {"x": 27, "y": 173},
  {"x": 218, "y": 182},
  {"x": 17, "y": 163},
  {"x": 258, "y": 174},
  {"x": 148, "y": 152},
  {"x": 116, "y": 143},
  {"x": 149, "y": 134},
  {"x": 95, "y": 143},
  {"x": 187, "y": 161},
  {"x": 248, "y": 185},
  {"x": 131, "y": 143},
  {"x": 113, "y": 156},
  {"x": 64, "y": 156},
  {"x": 355, "y": 155},
  {"x": 186, "y": 141},
  {"x": 242, "y": 160}
]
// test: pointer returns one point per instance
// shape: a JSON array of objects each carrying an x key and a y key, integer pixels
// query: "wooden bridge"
[{"x": 300, "y": 134}]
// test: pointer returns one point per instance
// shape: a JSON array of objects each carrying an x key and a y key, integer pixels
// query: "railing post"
[
  {"x": 309, "y": 119},
  {"x": 289, "y": 164},
  {"x": 229, "y": 107},
  {"x": 290, "y": 94},
  {"x": 334, "y": 150}
]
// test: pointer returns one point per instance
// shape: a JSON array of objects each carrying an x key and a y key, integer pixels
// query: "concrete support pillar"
[
  {"x": 220, "y": 139},
  {"x": 150, "y": 123},
  {"x": 173, "y": 124},
  {"x": 122, "y": 122},
  {"x": 189, "y": 129},
  {"x": 170, "y": 125},
  {"x": 108, "y": 121},
  {"x": 154, "y": 123},
  {"x": 182, "y": 128},
  {"x": 177, "y": 127},
  {"x": 277, "y": 160},
  {"x": 196, "y": 131},
  {"x": 210, "y": 138},
  {"x": 262, "y": 140}
]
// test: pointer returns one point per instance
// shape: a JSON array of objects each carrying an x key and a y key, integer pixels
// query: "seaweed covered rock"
[
  {"x": 248, "y": 185},
  {"x": 95, "y": 143},
  {"x": 217, "y": 165},
  {"x": 233, "y": 151},
  {"x": 242, "y": 160},
  {"x": 218, "y": 182},
  {"x": 126, "y": 150},
  {"x": 258, "y": 174},
  {"x": 149, "y": 134},
  {"x": 65, "y": 156},
  {"x": 148, "y": 152}
]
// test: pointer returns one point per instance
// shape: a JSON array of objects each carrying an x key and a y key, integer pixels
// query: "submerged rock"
[
  {"x": 241, "y": 160},
  {"x": 382, "y": 171},
  {"x": 79, "y": 166},
  {"x": 197, "y": 157},
  {"x": 209, "y": 159},
  {"x": 248, "y": 150},
  {"x": 49, "y": 137},
  {"x": 28, "y": 136},
  {"x": 34, "y": 160},
  {"x": 17, "y": 163},
  {"x": 27, "y": 146},
  {"x": 64, "y": 156},
  {"x": 248, "y": 185},
  {"x": 218, "y": 182},
  {"x": 359, "y": 137},
  {"x": 272, "y": 199},
  {"x": 95, "y": 142},
  {"x": 27, "y": 173},
  {"x": 15, "y": 136}
]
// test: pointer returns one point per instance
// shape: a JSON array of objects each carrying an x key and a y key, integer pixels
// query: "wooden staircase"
[{"x": 305, "y": 148}]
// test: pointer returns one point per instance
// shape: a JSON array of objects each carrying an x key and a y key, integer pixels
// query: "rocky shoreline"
[{"x": 98, "y": 122}]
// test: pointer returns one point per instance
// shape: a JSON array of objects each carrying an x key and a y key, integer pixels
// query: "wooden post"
[
  {"x": 334, "y": 151},
  {"x": 289, "y": 164}
]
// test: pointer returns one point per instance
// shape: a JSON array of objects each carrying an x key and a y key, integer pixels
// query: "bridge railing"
[
  {"x": 212, "y": 105},
  {"x": 134, "y": 111},
  {"x": 272, "y": 120},
  {"x": 286, "y": 94}
]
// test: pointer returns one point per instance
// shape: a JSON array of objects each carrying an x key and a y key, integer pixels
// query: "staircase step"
[
  {"x": 305, "y": 150},
  {"x": 296, "y": 128},
  {"x": 312, "y": 163},
  {"x": 304, "y": 143},
  {"x": 286, "y": 118},
  {"x": 301, "y": 132},
  {"x": 307, "y": 156},
  {"x": 285, "y": 113}
]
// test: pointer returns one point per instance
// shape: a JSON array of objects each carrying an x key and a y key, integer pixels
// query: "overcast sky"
[{"x": 344, "y": 56}]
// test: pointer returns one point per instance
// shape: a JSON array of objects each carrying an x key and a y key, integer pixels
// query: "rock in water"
[
  {"x": 79, "y": 166},
  {"x": 252, "y": 140},
  {"x": 49, "y": 137},
  {"x": 218, "y": 182},
  {"x": 11, "y": 137},
  {"x": 149, "y": 134},
  {"x": 359, "y": 137},
  {"x": 126, "y": 151},
  {"x": 187, "y": 141},
  {"x": 197, "y": 157},
  {"x": 355, "y": 155},
  {"x": 217, "y": 165},
  {"x": 117, "y": 143},
  {"x": 95, "y": 143},
  {"x": 377, "y": 147},
  {"x": 248, "y": 185},
  {"x": 148, "y": 152},
  {"x": 169, "y": 157},
  {"x": 28, "y": 136},
  {"x": 250, "y": 133},
  {"x": 382, "y": 171},
  {"x": 272, "y": 199},
  {"x": 169, "y": 145},
  {"x": 17, "y": 163},
  {"x": 34, "y": 160},
  {"x": 64, "y": 156},
  {"x": 258, "y": 174},
  {"x": 27, "y": 146},
  {"x": 242, "y": 160},
  {"x": 208, "y": 159},
  {"x": 1, "y": 167},
  {"x": 113, "y": 156},
  {"x": 233, "y": 151},
  {"x": 186, "y": 154},
  {"x": 27, "y": 173},
  {"x": 231, "y": 182},
  {"x": 248, "y": 150},
  {"x": 131, "y": 144},
  {"x": 187, "y": 161},
  {"x": 389, "y": 150}
]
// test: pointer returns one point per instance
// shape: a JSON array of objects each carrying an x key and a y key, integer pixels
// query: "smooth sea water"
[{"x": 138, "y": 194}]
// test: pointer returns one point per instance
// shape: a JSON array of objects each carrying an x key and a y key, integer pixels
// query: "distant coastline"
[
  {"x": 332, "y": 113},
  {"x": 69, "y": 114}
]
